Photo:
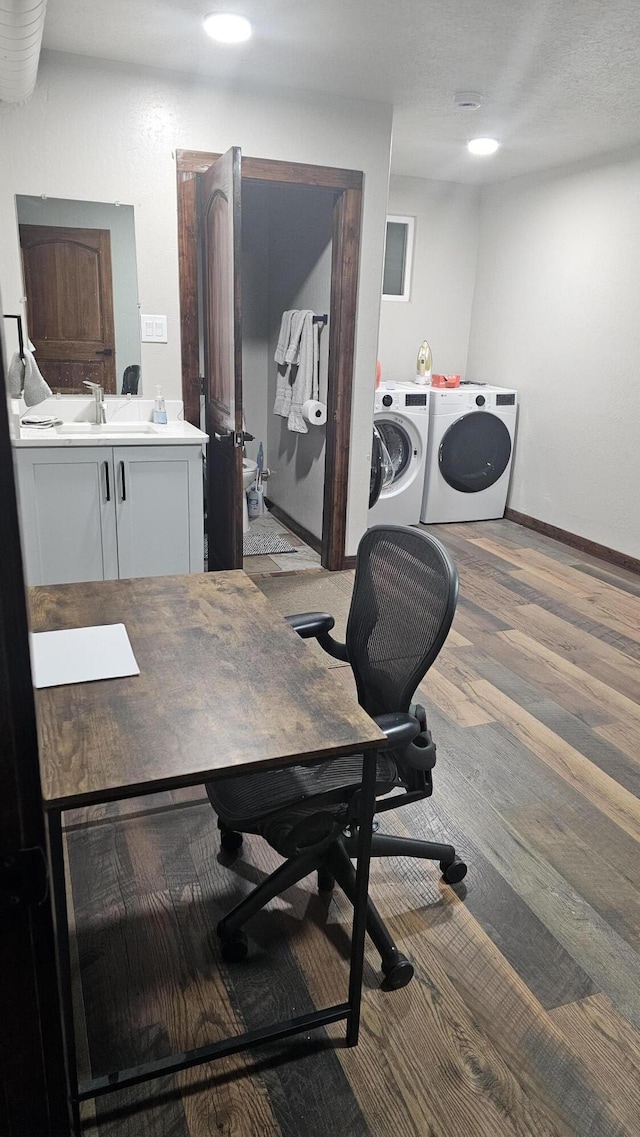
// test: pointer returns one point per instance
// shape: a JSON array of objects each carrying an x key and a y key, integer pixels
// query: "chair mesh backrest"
[
  {"x": 404, "y": 599},
  {"x": 131, "y": 379}
]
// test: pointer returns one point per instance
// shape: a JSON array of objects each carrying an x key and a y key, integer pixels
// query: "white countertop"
[
  {"x": 147, "y": 434},
  {"x": 128, "y": 424}
]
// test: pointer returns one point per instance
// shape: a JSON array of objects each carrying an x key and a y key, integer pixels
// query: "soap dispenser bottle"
[
  {"x": 423, "y": 363},
  {"x": 159, "y": 408}
]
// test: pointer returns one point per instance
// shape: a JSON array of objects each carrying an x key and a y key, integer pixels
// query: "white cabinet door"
[
  {"x": 67, "y": 510},
  {"x": 159, "y": 510}
]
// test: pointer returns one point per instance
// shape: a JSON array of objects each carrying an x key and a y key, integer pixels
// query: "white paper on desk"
[{"x": 81, "y": 655}]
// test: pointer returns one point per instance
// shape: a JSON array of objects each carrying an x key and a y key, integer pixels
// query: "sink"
[{"x": 71, "y": 429}]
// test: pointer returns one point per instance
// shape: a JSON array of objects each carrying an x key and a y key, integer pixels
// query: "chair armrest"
[
  {"x": 310, "y": 625},
  {"x": 400, "y": 729},
  {"x": 318, "y": 625}
]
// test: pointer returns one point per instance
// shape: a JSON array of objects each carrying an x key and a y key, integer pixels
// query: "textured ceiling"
[{"x": 560, "y": 78}]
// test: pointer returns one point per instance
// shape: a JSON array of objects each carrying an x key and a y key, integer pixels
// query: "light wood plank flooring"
[{"x": 523, "y": 1016}]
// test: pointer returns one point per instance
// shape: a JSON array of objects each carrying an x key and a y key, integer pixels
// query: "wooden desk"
[{"x": 225, "y": 685}]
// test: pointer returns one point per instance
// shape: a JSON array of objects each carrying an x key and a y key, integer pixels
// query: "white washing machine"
[
  {"x": 471, "y": 436},
  {"x": 401, "y": 427}
]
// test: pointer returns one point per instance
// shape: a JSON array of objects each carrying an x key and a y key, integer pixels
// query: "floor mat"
[{"x": 262, "y": 541}]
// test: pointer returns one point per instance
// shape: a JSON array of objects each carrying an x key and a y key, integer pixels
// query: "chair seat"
[{"x": 242, "y": 803}]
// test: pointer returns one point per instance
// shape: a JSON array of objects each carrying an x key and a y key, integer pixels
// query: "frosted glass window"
[{"x": 397, "y": 258}]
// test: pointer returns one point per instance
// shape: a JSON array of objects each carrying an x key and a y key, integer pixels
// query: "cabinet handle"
[
  {"x": 123, "y": 494},
  {"x": 107, "y": 485}
]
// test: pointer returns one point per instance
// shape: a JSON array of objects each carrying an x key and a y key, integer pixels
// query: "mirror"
[{"x": 81, "y": 289}]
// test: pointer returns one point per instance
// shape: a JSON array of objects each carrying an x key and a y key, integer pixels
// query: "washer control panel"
[{"x": 415, "y": 402}]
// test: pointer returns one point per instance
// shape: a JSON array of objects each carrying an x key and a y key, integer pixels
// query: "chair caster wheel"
[
  {"x": 326, "y": 881},
  {"x": 235, "y": 947},
  {"x": 231, "y": 841},
  {"x": 397, "y": 972},
  {"x": 453, "y": 871}
]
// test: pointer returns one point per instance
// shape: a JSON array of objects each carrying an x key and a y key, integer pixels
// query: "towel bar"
[{"x": 20, "y": 334}]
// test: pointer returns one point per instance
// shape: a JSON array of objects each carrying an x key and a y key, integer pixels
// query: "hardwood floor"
[{"x": 524, "y": 1014}]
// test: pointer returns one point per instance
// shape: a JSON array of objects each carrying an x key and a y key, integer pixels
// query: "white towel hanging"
[
  {"x": 284, "y": 337},
  {"x": 303, "y": 384},
  {"x": 36, "y": 388},
  {"x": 283, "y": 387},
  {"x": 15, "y": 375}
]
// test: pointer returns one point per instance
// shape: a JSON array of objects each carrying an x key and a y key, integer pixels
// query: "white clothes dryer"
[
  {"x": 471, "y": 437},
  {"x": 401, "y": 422}
]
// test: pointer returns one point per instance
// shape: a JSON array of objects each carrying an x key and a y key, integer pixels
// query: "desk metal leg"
[
  {"x": 149, "y": 1070},
  {"x": 367, "y": 806},
  {"x": 53, "y": 821}
]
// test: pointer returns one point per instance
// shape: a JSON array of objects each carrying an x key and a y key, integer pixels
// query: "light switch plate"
[{"x": 153, "y": 329}]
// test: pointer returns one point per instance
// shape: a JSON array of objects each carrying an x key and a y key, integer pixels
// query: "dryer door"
[
  {"x": 399, "y": 447},
  {"x": 474, "y": 452},
  {"x": 382, "y": 472},
  {"x": 375, "y": 480}
]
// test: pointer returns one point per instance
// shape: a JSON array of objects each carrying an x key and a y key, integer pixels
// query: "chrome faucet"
[{"x": 101, "y": 406}]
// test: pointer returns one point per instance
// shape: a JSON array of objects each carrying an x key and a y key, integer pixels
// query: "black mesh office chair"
[
  {"x": 403, "y": 602},
  {"x": 131, "y": 379}
]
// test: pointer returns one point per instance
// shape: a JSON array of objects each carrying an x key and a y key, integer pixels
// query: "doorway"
[
  {"x": 261, "y": 186},
  {"x": 68, "y": 282}
]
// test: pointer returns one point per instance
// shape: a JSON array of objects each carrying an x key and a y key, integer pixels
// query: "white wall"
[
  {"x": 444, "y": 264},
  {"x": 286, "y": 263},
  {"x": 120, "y": 223},
  {"x": 556, "y": 315},
  {"x": 300, "y": 224},
  {"x": 104, "y": 132}
]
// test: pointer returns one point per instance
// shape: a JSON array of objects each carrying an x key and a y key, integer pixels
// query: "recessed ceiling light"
[
  {"x": 483, "y": 146},
  {"x": 227, "y": 28}
]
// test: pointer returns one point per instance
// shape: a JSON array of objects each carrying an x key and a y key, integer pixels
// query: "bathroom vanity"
[{"x": 111, "y": 500}]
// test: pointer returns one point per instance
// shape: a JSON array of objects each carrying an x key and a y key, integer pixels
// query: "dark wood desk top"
[{"x": 224, "y": 684}]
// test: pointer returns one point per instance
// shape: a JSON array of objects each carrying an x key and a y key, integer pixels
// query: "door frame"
[
  {"x": 345, "y": 261},
  {"x": 31, "y": 1053}
]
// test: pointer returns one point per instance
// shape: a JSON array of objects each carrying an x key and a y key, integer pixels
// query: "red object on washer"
[{"x": 445, "y": 380}]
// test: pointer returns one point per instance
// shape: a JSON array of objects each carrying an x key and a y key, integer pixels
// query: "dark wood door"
[
  {"x": 345, "y": 259},
  {"x": 221, "y": 255},
  {"x": 32, "y": 1087},
  {"x": 68, "y": 284}
]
